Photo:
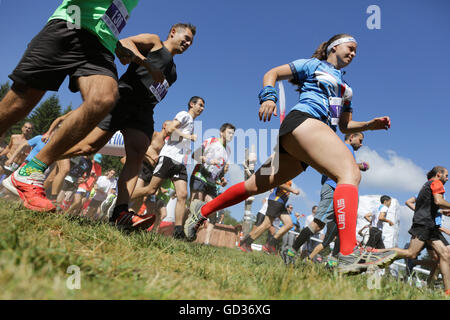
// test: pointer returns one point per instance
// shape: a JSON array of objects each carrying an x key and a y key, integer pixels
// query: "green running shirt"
[{"x": 104, "y": 18}]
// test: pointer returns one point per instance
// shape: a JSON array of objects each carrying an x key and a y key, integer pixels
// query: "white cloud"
[{"x": 392, "y": 173}]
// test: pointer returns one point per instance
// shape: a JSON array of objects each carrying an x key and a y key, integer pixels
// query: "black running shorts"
[
  {"x": 196, "y": 184},
  {"x": 146, "y": 172},
  {"x": 57, "y": 52},
  {"x": 292, "y": 121},
  {"x": 166, "y": 168},
  {"x": 424, "y": 233},
  {"x": 129, "y": 112},
  {"x": 275, "y": 209}
]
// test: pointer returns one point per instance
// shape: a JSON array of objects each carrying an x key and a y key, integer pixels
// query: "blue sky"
[{"x": 399, "y": 71}]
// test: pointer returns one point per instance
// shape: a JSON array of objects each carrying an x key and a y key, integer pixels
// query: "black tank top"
[{"x": 140, "y": 81}]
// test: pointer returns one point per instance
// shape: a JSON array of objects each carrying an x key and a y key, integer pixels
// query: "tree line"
[{"x": 42, "y": 117}]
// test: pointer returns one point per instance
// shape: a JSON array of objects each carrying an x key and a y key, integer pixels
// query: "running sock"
[
  {"x": 345, "y": 201},
  {"x": 230, "y": 197},
  {"x": 117, "y": 210},
  {"x": 35, "y": 165},
  {"x": 336, "y": 248},
  {"x": 304, "y": 236},
  {"x": 51, "y": 197}
]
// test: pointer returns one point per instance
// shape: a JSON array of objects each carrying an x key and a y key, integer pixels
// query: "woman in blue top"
[{"x": 307, "y": 137}]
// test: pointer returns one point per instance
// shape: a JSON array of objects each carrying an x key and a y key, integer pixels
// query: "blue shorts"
[{"x": 325, "y": 210}]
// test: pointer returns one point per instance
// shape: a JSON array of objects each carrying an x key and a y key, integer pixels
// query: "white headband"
[{"x": 338, "y": 42}]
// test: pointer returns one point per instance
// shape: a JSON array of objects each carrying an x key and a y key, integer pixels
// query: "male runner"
[
  {"x": 79, "y": 45},
  {"x": 133, "y": 114},
  {"x": 276, "y": 208},
  {"x": 15, "y": 141},
  {"x": 173, "y": 158}
]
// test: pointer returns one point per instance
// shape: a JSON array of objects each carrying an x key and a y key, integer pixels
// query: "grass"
[{"x": 36, "y": 250}]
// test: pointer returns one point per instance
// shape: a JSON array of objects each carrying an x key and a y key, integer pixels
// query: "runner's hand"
[
  {"x": 194, "y": 137},
  {"x": 125, "y": 55},
  {"x": 267, "y": 109},
  {"x": 296, "y": 192},
  {"x": 380, "y": 123}
]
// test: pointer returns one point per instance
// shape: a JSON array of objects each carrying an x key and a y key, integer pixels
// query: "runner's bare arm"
[
  {"x": 290, "y": 189},
  {"x": 131, "y": 49},
  {"x": 382, "y": 217},
  {"x": 8, "y": 148},
  {"x": 269, "y": 107},
  {"x": 411, "y": 203},
  {"x": 16, "y": 153},
  {"x": 173, "y": 127},
  {"x": 368, "y": 216},
  {"x": 441, "y": 202},
  {"x": 347, "y": 125}
]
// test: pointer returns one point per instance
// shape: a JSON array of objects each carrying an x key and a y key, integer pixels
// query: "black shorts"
[
  {"x": 196, "y": 184},
  {"x": 69, "y": 186},
  {"x": 146, "y": 173},
  {"x": 424, "y": 233},
  {"x": 292, "y": 121},
  {"x": 275, "y": 209},
  {"x": 57, "y": 52},
  {"x": 130, "y": 112},
  {"x": 259, "y": 219},
  {"x": 167, "y": 168}
]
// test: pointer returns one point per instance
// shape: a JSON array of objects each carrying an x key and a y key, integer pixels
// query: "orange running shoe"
[
  {"x": 31, "y": 191},
  {"x": 128, "y": 219}
]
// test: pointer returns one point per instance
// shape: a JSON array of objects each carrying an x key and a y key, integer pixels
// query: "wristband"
[{"x": 268, "y": 93}]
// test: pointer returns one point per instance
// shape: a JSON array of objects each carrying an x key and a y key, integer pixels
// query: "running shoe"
[
  {"x": 194, "y": 221},
  {"x": 111, "y": 208},
  {"x": 107, "y": 204},
  {"x": 179, "y": 234},
  {"x": 130, "y": 220},
  {"x": 31, "y": 191},
  {"x": 9, "y": 186},
  {"x": 361, "y": 258},
  {"x": 245, "y": 247},
  {"x": 288, "y": 255},
  {"x": 269, "y": 249}
]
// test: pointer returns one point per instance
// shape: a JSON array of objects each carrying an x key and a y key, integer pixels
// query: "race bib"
[
  {"x": 116, "y": 17},
  {"x": 160, "y": 90},
  {"x": 335, "y": 109}
]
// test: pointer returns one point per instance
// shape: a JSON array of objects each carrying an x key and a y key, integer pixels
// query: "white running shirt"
[{"x": 176, "y": 147}]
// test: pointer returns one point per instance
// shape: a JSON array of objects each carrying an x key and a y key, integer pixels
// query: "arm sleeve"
[
  {"x": 300, "y": 69},
  {"x": 182, "y": 117},
  {"x": 437, "y": 187}
]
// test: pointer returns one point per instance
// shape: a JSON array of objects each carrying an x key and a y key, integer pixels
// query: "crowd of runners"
[{"x": 59, "y": 174}]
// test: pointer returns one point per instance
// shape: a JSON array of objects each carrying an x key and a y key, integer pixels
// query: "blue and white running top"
[{"x": 324, "y": 93}]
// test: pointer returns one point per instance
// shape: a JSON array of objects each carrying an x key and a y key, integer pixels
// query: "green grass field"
[{"x": 36, "y": 250}]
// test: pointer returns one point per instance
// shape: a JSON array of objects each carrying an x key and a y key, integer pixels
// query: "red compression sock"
[
  {"x": 230, "y": 197},
  {"x": 345, "y": 201}
]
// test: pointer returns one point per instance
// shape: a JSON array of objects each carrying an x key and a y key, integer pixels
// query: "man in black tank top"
[{"x": 140, "y": 91}]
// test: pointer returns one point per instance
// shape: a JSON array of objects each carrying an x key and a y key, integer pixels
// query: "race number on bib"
[
  {"x": 116, "y": 17},
  {"x": 160, "y": 90},
  {"x": 335, "y": 109}
]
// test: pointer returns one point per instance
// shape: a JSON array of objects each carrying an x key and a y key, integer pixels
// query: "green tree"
[
  {"x": 228, "y": 219},
  {"x": 111, "y": 162},
  {"x": 4, "y": 87},
  {"x": 43, "y": 116}
]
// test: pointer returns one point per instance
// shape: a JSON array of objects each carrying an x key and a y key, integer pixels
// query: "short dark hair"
[
  {"x": 314, "y": 206},
  {"x": 194, "y": 100},
  {"x": 348, "y": 135},
  {"x": 226, "y": 126},
  {"x": 181, "y": 25},
  {"x": 433, "y": 172},
  {"x": 384, "y": 198}
]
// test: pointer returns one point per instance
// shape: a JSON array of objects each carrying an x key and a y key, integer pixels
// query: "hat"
[{"x": 98, "y": 158}]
